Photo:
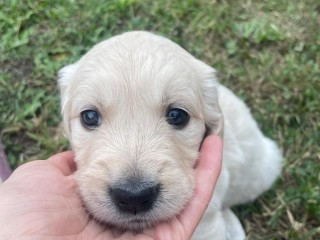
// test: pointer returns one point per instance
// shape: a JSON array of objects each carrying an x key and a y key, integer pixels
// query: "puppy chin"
[{"x": 134, "y": 225}]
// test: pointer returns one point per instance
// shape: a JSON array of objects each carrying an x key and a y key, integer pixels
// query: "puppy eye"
[
  {"x": 90, "y": 118},
  {"x": 177, "y": 117}
]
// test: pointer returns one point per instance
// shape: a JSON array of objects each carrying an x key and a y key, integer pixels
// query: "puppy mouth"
[
  {"x": 136, "y": 222},
  {"x": 110, "y": 215},
  {"x": 135, "y": 204}
]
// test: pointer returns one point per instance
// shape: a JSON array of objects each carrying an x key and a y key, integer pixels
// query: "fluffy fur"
[{"x": 132, "y": 79}]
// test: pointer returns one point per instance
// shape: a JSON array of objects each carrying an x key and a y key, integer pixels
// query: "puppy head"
[{"x": 136, "y": 108}]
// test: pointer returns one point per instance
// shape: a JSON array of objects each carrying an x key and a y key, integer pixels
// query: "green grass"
[{"x": 268, "y": 52}]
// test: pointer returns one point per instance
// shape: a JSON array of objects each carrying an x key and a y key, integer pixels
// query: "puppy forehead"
[{"x": 152, "y": 73}]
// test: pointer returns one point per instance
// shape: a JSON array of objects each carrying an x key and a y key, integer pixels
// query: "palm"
[{"x": 49, "y": 201}]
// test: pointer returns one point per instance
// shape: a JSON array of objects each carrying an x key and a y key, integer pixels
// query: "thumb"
[{"x": 207, "y": 173}]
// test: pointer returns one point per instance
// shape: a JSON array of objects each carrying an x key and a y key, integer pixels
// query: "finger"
[
  {"x": 207, "y": 173},
  {"x": 64, "y": 161},
  {"x": 209, "y": 167}
]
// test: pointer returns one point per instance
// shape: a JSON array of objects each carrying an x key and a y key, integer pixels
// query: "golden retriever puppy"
[{"x": 136, "y": 109}]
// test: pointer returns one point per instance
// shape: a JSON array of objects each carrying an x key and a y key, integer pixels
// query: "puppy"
[{"x": 136, "y": 109}]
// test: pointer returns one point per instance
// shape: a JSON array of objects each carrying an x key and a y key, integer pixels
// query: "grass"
[{"x": 268, "y": 52}]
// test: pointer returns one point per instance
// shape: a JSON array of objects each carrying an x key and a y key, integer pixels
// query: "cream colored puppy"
[{"x": 136, "y": 108}]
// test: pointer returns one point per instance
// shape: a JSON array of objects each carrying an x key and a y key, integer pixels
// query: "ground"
[{"x": 268, "y": 52}]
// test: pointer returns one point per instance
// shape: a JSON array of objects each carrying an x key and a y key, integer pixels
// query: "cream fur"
[{"x": 132, "y": 79}]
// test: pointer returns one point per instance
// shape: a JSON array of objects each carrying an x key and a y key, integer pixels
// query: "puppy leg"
[
  {"x": 212, "y": 226},
  {"x": 221, "y": 225},
  {"x": 234, "y": 230}
]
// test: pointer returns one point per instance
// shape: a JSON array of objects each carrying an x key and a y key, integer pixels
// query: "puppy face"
[{"x": 136, "y": 108}]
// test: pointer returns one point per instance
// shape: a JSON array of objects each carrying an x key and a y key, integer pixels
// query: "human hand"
[{"x": 40, "y": 201}]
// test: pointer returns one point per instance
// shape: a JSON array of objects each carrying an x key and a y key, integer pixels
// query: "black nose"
[{"x": 134, "y": 197}]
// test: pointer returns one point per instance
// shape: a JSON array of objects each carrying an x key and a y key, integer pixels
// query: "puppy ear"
[
  {"x": 65, "y": 76},
  {"x": 212, "y": 113}
]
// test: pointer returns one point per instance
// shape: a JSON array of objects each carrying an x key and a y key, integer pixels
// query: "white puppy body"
[
  {"x": 251, "y": 163},
  {"x": 132, "y": 80}
]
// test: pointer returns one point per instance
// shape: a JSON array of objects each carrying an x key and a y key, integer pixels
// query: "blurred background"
[{"x": 267, "y": 52}]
